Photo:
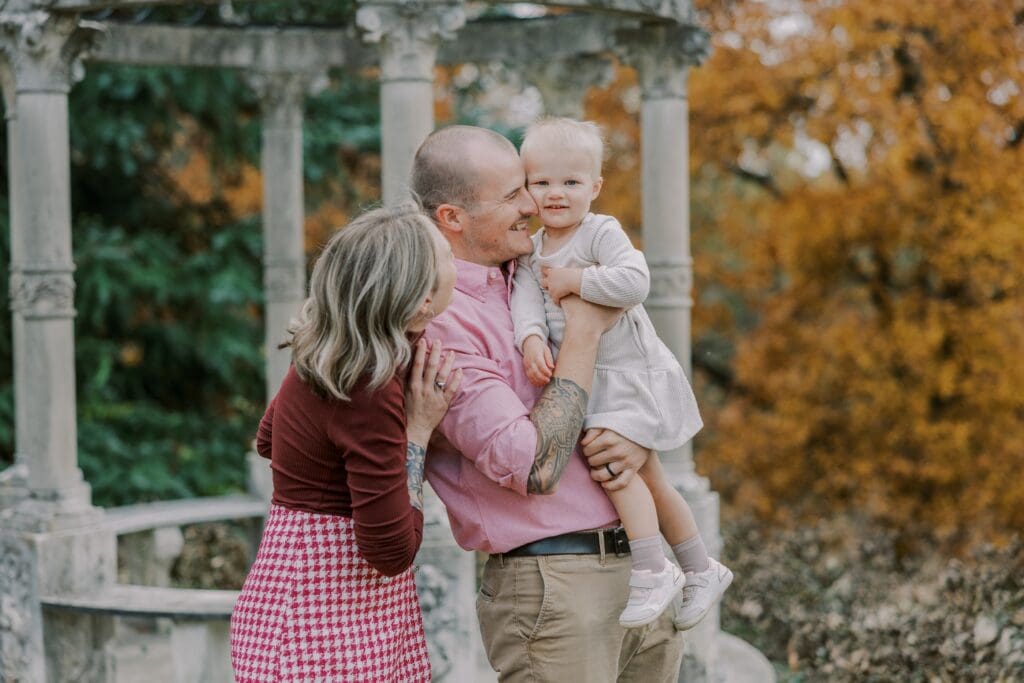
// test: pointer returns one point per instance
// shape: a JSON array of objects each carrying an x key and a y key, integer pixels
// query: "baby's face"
[{"x": 563, "y": 184}]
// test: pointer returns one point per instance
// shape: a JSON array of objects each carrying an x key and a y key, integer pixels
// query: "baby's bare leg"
[
  {"x": 675, "y": 518},
  {"x": 639, "y": 516}
]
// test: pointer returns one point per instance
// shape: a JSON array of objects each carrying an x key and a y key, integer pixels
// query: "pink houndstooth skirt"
[{"x": 312, "y": 609}]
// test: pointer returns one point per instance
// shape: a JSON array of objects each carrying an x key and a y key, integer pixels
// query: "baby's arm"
[
  {"x": 620, "y": 278},
  {"x": 530, "y": 322},
  {"x": 537, "y": 361},
  {"x": 561, "y": 282}
]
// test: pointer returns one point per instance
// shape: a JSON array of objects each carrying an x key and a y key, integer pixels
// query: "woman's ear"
[{"x": 426, "y": 310}]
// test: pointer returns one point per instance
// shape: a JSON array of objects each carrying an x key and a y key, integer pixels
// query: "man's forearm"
[
  {"x": 558, "y": 413},
  {"x": 558, "y": 417}
]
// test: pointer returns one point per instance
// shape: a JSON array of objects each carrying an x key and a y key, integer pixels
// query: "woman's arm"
[
  {"x": 263, "y": 433},
  {"x": 388, "y": 529},
  {"x": 431, "y": 388}
]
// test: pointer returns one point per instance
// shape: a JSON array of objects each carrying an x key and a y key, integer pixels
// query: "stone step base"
[{"x": 741, "y": 662}]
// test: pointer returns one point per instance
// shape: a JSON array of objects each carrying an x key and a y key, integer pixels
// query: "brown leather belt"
[{"x": 577, "y": 543}]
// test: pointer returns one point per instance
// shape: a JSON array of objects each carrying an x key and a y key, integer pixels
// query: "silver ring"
[
  {"x": 439, "y": 384},
  {"x": 608, "y": 466}
]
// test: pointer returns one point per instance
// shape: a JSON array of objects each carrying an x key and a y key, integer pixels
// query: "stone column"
[
  {"x": 41, "y": 53},
  {"x": 408, "y": 34},
  {"x": 50, "y": 542},
  {"x": 563, "y": 83},
  {"x": 662, "y": 56},
  {"x": 13, "y": 480},
  {"x": 282, "y": 100}
]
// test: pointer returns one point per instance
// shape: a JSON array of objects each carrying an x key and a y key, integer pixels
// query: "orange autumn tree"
[{"x": 858, "y": 234}]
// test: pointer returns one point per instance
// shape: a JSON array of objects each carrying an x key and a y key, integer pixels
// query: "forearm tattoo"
[
  {"x": 558, "y": 417},
  {"x": 415, "y": 456}
]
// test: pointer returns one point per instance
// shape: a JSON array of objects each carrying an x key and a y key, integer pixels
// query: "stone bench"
[
  {"x": 177, "y": 513},
  {"x": 187, "y": 641},
  {"x": 186, "y": 604},
  {"x": 163, "y": 634}
]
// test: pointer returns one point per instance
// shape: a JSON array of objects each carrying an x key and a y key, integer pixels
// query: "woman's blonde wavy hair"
[{"x": 367, "y": 287}]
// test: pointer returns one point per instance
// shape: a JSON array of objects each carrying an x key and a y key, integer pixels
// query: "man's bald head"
[{"x": 445, "y": 168}]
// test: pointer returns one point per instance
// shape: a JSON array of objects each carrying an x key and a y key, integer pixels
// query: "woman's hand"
[{"x": 430, "y": 390}]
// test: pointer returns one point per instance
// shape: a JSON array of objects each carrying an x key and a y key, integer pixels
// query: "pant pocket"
[{"x": 532, "y": 598}]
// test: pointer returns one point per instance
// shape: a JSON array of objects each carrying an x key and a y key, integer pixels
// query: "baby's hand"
[
  {"x": 561, "y": 281},
  {"x": 537, "y": 360}
]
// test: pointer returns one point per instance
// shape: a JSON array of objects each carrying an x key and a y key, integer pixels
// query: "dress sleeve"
[
  {"x": 621, "y": 277},
  {"x": 527, "y": 303},
  {"x": 263, "y": 440},
  {"x": 372, "y": 436}
]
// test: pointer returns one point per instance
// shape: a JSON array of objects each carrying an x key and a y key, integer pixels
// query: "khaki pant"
[{"x": 554, "y": 619}]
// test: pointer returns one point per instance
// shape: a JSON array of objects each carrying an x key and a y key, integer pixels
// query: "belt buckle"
[{"x": 620, "y": 541}]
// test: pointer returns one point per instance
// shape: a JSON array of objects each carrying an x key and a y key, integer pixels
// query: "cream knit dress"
[{"x": 640, "y": 390}]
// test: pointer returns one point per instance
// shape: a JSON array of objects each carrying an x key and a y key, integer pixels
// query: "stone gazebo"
[{"x": 64, "y": 615}]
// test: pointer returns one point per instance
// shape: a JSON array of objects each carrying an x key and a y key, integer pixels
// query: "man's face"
[{"x": 498, "y": 220}]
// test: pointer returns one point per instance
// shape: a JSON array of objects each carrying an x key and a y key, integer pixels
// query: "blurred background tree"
[{"x": 859, "y": 246}]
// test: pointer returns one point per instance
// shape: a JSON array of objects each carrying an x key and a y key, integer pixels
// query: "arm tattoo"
[
  {"x": 414, "y": 460},
  {"x": 558, "y": 417}
]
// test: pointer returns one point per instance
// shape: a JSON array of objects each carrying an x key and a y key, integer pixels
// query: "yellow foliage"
[{"x": 876, "y": 307}]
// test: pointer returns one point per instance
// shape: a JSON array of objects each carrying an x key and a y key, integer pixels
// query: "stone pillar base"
[{"x": 39, "y": 644}]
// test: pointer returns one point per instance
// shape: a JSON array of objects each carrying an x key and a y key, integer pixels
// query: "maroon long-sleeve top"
[{"x": 346, "y": 458}]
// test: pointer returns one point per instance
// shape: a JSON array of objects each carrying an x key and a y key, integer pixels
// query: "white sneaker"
[
  {"x": 650, "y": 593},
  {"x": 701, "y": 592}
]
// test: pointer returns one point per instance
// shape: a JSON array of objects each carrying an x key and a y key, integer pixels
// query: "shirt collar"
[{"x": 475, "y": 279}]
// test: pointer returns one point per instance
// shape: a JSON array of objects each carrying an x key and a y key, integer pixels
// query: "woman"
[{"x": 331, "y": 594}]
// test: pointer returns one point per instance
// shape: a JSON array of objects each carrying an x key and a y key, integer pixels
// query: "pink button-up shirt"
[{"x": 480, "y": 456}]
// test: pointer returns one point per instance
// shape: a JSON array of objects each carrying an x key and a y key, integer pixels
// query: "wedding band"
[
  {"x": 439, "y": 384},
  {"x": 608, "y": 466}
]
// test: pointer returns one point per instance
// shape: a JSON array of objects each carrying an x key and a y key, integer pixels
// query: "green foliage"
[{"x": 168, "y": 295}]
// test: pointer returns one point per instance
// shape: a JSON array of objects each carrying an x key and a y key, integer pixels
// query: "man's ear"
[
  {"x": 449, "y": 218},
  {"x": 597, "y": 187}
]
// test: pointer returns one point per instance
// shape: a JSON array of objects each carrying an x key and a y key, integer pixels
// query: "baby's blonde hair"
[{"x": 565, "y": 132}]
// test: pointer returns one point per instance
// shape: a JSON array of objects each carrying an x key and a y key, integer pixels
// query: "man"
[{"x": 503, "y": 461}]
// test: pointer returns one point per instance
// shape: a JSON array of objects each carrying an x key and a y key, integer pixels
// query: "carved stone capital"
[
  {"x": 283, "y": 95},
  {"x": 671, "y": 284},
  {"x": 563, "y": 83},
  {"x": 43, "y": 291},
  {"x": 662, "y": 55},
  {"x": 44, "y": 51},
  {"x": 284, "y": 281},
  {"x": 408, "y": 32}
]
